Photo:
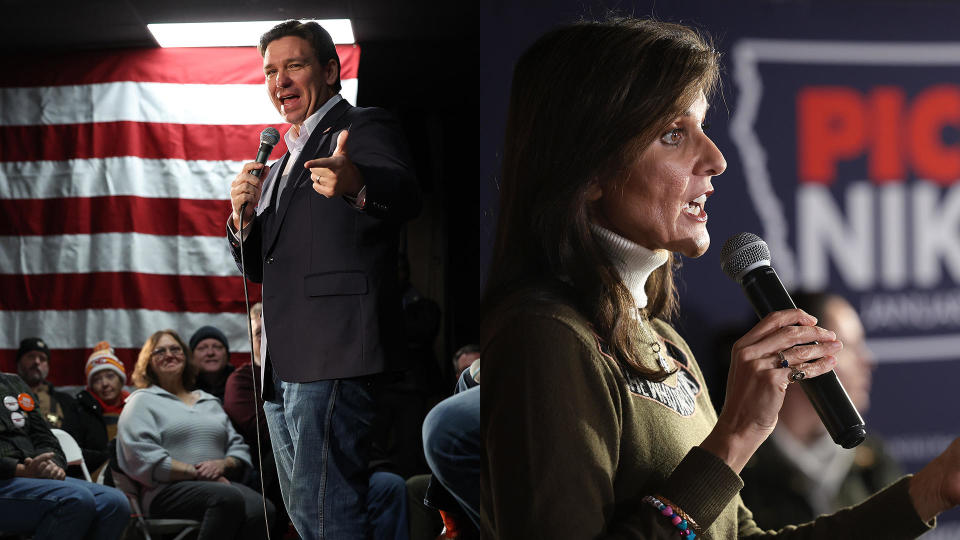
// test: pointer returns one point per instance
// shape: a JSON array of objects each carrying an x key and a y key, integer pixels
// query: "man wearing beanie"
[
  {"x": 101, "y": 401},
  {"x": 57, "y": 408},
  {"x": 211, "y": 356},
  {"x": 33, "y": 366}
]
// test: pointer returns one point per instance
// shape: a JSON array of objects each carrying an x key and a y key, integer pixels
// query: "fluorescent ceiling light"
[{"x": 234, "y": 34}]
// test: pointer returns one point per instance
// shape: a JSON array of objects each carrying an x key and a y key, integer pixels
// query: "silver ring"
[{"x": 797, "y": 375}]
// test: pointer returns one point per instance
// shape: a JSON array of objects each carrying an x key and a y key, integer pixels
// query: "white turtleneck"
[{"x": 634, "y": 262}]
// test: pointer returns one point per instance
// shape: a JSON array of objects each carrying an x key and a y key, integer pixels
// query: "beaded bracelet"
[
  {"x": 682, "y": 524},
  {"x": 680, "y": 512}
]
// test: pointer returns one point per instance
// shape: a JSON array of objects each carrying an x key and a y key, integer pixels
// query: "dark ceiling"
[{"x": 95, "y": 24}]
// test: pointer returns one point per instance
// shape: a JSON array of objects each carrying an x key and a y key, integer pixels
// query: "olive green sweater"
[{"x": 573, "y": 442}]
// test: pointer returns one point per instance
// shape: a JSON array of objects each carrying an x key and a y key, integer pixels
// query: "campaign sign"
[{"x": 851, "y": 158}]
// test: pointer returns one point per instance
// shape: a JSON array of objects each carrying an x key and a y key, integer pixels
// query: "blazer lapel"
[
  {"x": 269, "y": 187},
  {"x": 265, "y": 209},
  {"x": 299, "y": 175}
]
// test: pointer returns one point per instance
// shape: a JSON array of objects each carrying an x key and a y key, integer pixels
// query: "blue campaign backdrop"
[{"x": 840, "y": 123}]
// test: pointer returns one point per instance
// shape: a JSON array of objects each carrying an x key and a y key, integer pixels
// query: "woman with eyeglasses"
[{"x": 181, "y": 448}]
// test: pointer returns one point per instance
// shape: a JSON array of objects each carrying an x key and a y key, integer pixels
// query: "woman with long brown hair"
[
  {"x": 179, "y": 445},
  {"x": 595, "y": 414}
]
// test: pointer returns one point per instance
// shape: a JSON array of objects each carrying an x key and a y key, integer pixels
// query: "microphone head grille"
[
  {"x": 270, "y": 136},
  {"x": 743, "y": 252}
]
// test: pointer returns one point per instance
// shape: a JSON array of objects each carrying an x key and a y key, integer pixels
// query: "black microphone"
[
  {"x": 745, "y": 257},
  {"x": 269, "y": 138}
]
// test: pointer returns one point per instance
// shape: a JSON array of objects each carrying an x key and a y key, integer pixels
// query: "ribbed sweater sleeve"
[
  {"x": 140, "y": 451},
  {"x": 888, "y": 514},
  {"x": 551, "y": 434},
  {"x": 236, "y": 447},
  {"x": 702, "y": 485}
]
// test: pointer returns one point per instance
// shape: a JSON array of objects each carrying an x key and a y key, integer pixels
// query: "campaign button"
[
  {"x": 18, "y": 419},
  {"x": 25, "y": 401},
  {"x": 10, "y": 403}
]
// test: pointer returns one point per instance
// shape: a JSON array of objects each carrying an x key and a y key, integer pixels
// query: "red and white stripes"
[{"x": 114, "y": 178}]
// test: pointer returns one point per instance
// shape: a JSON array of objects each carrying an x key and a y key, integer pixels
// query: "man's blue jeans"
[
  {"x": 62, "y": 509},
  {"x": 387, "y": 505},
  {"x": 451, "y": 444},
  {"x": 320, "y": 433}
]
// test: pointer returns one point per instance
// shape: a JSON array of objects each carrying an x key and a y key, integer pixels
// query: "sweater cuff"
[
  {"x": 702, "y": 485},
  {"x": 162, "y": 470},
  {"x": 900, "y": 518},
  {"x": 241, "y": 456}
]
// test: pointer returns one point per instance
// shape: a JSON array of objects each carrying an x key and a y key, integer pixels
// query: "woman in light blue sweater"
[{"x": 181, "y": 447}]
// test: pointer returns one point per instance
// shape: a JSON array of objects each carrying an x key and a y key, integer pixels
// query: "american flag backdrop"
[{"x": 115, "y": 170}]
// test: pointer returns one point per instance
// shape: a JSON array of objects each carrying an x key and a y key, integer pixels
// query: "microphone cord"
[{"x": 253, "y": 370}]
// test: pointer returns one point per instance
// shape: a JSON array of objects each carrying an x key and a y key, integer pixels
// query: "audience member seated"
[
  {"x": 425, "y": 522},
  {"x": 37, "y": 497},
  {"x": 58, "y": 408},
  {"x": 238, "y": 403},
  {"x": 387, "y": 506},
  {"x": 101, "y": 402},
  {"x": 181, "y": 447},
  {"x": 464, "y": 357},
  {"x": 452, "y": 445},
  {"x": 799, "y": 472},
  {"x": 211, "y": 356}
]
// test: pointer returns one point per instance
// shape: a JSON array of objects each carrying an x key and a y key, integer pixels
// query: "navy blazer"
[{"x": 331, "y": 303}]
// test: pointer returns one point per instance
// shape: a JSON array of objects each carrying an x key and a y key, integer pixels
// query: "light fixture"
[{"x": 234, "y": 34}]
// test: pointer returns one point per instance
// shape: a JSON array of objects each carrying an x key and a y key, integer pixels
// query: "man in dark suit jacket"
[{"x": 323, "y": 241}]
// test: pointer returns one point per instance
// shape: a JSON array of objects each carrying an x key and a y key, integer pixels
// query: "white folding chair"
[{"x": 71, "y": 451}]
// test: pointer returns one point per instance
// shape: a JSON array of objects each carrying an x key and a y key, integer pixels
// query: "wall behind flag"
[{"x": 115, "y": 169}]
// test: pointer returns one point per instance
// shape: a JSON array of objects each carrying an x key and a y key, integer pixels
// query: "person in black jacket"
[
  {"x": 38, "y": 498},
  {"x": 59, "y": 409}
]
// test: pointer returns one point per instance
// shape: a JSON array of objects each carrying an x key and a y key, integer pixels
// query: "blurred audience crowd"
[{"x": 181, "y": 435}]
